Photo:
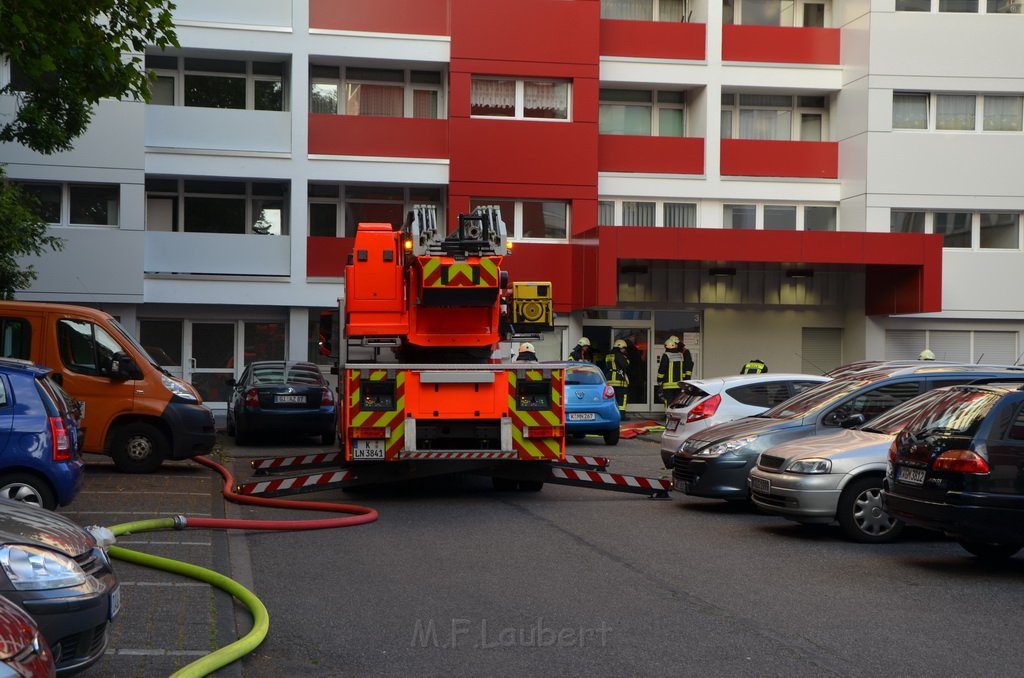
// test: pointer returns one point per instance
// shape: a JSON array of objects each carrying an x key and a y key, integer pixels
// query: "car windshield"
[
  {"x": 957, "y": 412},
  {"x": 815, "y": 398},
  {"x": 582, "y": 374},
  {"x": 895, "y": 420},
  {"x": 271, "y": 374}
]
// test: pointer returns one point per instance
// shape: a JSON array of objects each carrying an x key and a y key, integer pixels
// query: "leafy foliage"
[
  {"x": 68, "y": 54},
  {"x": 22, "y": 233}
]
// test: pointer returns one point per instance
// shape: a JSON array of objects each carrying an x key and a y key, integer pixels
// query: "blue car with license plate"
[{"x": 590, "y": 407}]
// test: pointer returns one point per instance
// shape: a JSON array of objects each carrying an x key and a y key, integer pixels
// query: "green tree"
[{"x": 64, "y": 56}]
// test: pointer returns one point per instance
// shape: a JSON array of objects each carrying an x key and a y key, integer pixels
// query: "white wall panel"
[
  {"x": 425, "y": 48},
  {"x": 102, "y": 264},
  {"x": 966, "y": 288},
  {"x": 238, "y": 12},
  {"x": 218, "y": 129},
  {"x": 217, "y": 254}
]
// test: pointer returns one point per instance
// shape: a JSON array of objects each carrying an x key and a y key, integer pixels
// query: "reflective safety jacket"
[
  {"x": 616, "y": 367},
  {"x": 754, "y": 367},
  {"x": 670, "y": 370}
]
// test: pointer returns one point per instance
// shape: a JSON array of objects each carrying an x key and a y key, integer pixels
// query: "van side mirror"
[{"x": 123, "y": 368}]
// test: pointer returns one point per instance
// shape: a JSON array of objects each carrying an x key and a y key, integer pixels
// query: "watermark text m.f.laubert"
[{"x": 461, "y": 632}]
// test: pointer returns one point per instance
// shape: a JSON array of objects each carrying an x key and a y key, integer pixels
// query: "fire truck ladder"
[{"x": 576, "y": 470}]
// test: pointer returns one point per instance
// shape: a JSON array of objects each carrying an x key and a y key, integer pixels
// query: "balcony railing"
[
  {"x": 771, "y": 158},
  {"x": 780, "y": 44}
]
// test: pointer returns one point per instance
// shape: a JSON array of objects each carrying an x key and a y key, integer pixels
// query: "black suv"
[{"x": 958, "y": 467}]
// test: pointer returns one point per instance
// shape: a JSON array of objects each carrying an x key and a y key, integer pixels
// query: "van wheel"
[
  {"x": 861, "y": 515},
  {"x": 29, "y": 489},
  {"x": 138, "y": 448}
]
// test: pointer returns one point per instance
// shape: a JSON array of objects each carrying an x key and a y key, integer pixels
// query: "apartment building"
[{"x": 807, "y": 182}]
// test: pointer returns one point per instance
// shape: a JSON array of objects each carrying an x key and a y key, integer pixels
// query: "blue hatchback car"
[
  {"x": 590, "y": 407},
  {"x": 39, "y": 437}
]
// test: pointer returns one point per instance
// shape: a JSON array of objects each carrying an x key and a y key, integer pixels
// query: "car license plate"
[
  {"x": 367, "y": 449},
  {"x": 761, "y": 485},
  {"x": 911, "y": 476},
  {"x": 681, "y": 485},
  {"x": 581, "y": 416},
  {"x": 672, "y": 424},
  {"x": 289, "y": 399},
  {"x": 115, "y": 602}
]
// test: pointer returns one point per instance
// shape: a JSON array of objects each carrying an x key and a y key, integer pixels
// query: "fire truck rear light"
[
  {"x": 545, "y": 431},
  {"x": 368, "y": 432}
]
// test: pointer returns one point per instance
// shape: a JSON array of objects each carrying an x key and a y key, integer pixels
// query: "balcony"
[
  {"x": 415, "y": 17},
  {"x": 217, "y": 254},
  {"x": 771, "y": 158},
  {"x": 377, "y": 136},
  {"x": 221, "y": 129},
  {"x": 780, "y": 44},
  {"x": 255, "y": 13},
  {"x": 654, "y": 39},
  {"x": 661, "y": 155}
]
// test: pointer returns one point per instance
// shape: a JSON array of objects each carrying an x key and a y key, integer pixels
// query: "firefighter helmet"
[
  {"x": 583, "y": 342},
  {"x": 672, "y": 342},
  {"x": 526, "y": 346},
  {"x": 619, "y": 343},
  {"x": 926, "y": 355}
]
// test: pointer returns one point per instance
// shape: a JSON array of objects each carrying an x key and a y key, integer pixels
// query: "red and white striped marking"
[
  {"x": 586, "y": 461},
  {"x": 285, "y": 484},
  {"x": 304, "y": 460},
  {"x": 599, "y": 478},
  {"x": 459, "y": 455}
]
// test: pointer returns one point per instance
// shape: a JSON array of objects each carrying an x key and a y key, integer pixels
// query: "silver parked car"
[
  {"x": 706, "y": 402},
  {"x": 836, "y": 477}
]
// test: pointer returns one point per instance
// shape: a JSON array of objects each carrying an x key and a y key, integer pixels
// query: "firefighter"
[
  {"x": 526, "y": 353},
  {"x": 582, "y": 351},
  {"x": 675, "y": 366},
  {"x": 755, "y": 366},
  {"x": 616, "y": 367}
]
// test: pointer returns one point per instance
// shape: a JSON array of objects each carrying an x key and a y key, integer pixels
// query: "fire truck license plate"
[{"x": 367, "y": 449}]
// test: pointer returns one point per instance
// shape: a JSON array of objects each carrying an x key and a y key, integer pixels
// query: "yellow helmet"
[
  {"x": 619, "y": 343},
  {"x": 926, "y": 355},
  {"x": 583, "y": 342},
  {"x": 672, "y": 342},
  {"x": 526, "y": 346}
]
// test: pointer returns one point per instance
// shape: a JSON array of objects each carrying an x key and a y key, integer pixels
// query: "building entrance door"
[{"x": 637, "y": 338}]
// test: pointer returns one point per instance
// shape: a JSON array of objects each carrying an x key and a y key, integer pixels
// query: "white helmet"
[
  {"x": 583, "y": 342},
  {"x": 926, "y": 355},
  {"x": 526, "y": 346},
  {"x": 672, "y": 342}
]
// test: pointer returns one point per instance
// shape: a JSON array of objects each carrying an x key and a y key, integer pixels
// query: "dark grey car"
[
  {"x": 715, "y": 463},
  {"x": 58, "y": 573}
]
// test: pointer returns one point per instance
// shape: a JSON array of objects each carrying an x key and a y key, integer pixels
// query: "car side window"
[
  {"x": 1016, "y": 431},
  {"x": 873, "y": 402},
  {"x": 4, "y": 400},
  {"x": 15, "y": 338},
  {"x": 764, "y": 394},
  {"x": 801, "y": 386},
  {"x": 85, "y": 347}
]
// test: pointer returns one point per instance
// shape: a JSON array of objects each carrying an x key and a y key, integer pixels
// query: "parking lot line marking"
[
  {"x": 156, "y": 652},
  {"x": 125, "y": 513},
  {"x": 165, "y": 584},
  {"x": 162, "y": 493},
  {"x": 163, "y": 543}
]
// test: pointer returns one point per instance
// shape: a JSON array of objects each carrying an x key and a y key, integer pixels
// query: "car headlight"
[
  {"x": 810, "y": 466},
  {"x": 726, "y": 447},
  {"x": 177, "y": 388},
  {"x": 31, "y": 568}
]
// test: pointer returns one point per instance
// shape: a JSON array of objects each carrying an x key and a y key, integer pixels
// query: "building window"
[
  {"x": 1003, "y": 113},
  {"x": 385, "y": 92},
  {"x": 667, "y": 214},
  {"x": 806, "y": 13},
  {"x": 642, "y": 112},
  {"x": 605, "y": 213},
  {"x": 531, "y": 219},
  {"x": 777, "y": 217},
  {"x": 521, "y": 99},
  {"x": 955, "y": 112},
  {"x": 774, "y": 116},
  {"x": 331, "y": 215},
  {"x": 635, "y": 213},
  {"x": 217, "y": 206},
  {"x": 680, "y": 215},
  {"x": 958, "y": 5},
  {"x": 217, "y": 83},
  {"x": 961, "y": 6},
  {"x": 87, "y": 204},
  {"x": 909, "y": 110},
  {"x": 644, "y": 10},
  {"x": 961, "y": 230}
]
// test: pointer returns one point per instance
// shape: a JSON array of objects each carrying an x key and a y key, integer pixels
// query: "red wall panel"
[
  {"x": 780, "y": 44},
  {"x": 417, "y": 17},
  {"x": 533, "y": 262},
  {"x": 523, "y": 152},
  {"x": 670, "y": 155},
  {"x": 759, "y": 158},
  {"x": 526, "y": 30},
  {"x": 325, "y": 257},
  {"x": 370, "y": 135},
  {"x": 654, "y": 39}
]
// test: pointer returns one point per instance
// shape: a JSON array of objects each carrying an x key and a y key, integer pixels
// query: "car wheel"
[
  {"x": 29, "y": 489},
  {"x": 612, "y": 437},
  {"x": 991, "y": 550},
  {"x": 861, "y": 515},
  {"x": 230, "y": 424},
  {"x": 328, "y": 438},
  {"x": 138, "y": 448}
]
